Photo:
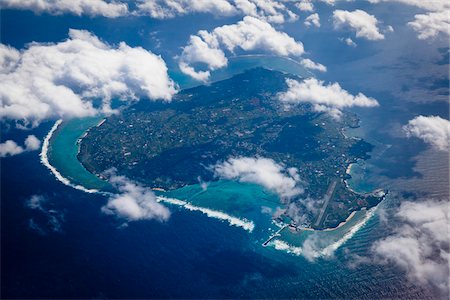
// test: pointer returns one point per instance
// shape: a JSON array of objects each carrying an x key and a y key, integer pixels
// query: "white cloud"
[
  {"x": 273, "y": 11},
  {"x": 9, "y": 57},
  {"x": 420, "y": 245},
  {"x": 250, "y": 34},
  {"x": 200, "y": 50},
  {"x": 329, "y": 98},
  {"x": 32, "y": 143},
  {"x": 133, "y": 202},
  {"x": 432, "y": 130},
  {"x": 313, "y": 19},
  {"x": 269, "y": 10},
  {"x": 309, "y": 64},
  {"x": 431, "y": 24},
  {"x": 163, "y": 9},
  {"x": 110, "y": 9},
  {"x": 430, "y": 5},
  {"x": 349, "y": 42},
  {"x": 10, "y": 148},
  {"x": 329, "y": 2},
  {"x": 305, "y": 5},
  {"x": 364, "y": 25},
  {"x": 59, "y": 80},
  {"x": 262, "y": 171}
]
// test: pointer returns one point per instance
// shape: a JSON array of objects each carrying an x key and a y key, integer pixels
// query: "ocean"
[
  {"x": 191, "y": 255},
  {"x": 68, "y": 248}
]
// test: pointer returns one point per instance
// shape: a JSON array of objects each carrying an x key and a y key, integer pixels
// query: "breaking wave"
[
  {"x": 328, "y": 251},
  {"x": 55, "y": 172},
  {"x": 243, "y": 223},
  {"x": 283, "y": 246}
]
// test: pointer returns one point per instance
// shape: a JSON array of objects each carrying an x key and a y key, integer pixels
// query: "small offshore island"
[{"x": 172, "y": 145}]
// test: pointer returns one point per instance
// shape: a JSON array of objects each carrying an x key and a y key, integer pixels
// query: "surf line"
[
  {"x": 233, "y": 221},
  {"x": 328, "y": 250},
  {"x": 55, "y": 172}
]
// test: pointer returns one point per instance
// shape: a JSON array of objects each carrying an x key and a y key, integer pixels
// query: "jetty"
[{"x": 276, "y": 234}]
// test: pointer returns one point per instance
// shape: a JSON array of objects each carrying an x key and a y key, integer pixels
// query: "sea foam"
[
  {"x": 283, "y": 246},
  {"x": 234, "y": 221},
  {"x": 56, "y": 173},
  {"x": 329, "y": 250},
  {"x": 243, "y": 223}
]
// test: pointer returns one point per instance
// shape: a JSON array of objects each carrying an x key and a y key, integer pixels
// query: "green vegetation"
[{"x": 170, "y": 145}]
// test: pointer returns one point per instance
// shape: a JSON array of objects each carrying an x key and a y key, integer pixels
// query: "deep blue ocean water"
[
  {"x": 70, "y": 249},
  {"x": 88, "y": 254}
]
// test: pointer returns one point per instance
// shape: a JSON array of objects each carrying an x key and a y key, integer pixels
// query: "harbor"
[{"x": 276, "y": 234}]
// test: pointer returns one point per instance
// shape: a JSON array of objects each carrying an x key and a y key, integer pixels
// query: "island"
[{"x": 168, "y": 145}]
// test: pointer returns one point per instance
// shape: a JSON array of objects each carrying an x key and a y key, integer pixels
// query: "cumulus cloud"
[
  {"x": 432, "y": 5},
  {"x": 309, "y": 64},
  {"x": 263, "y": 171},
  {"x": 431, "y": 24},
  {"x": 432, "y": 130},
  {"x": 349, "y": 42},
  {"x": 133, "y": 202},
  {"x": 32, "y": 143},
  {"x": 60, "y": 80},
  {"x": 305, "y": 5},
  {"x": 313, "y": 19},
  {"x": 269, "y": 10},
  {"x": 273, "y": 11},
  {"x": 329, "y": 98},
  {"x": 364, "y": 25},
  {"x": 201, "y": 49},
  {"x": 109, "y": 9},
  {"x": 164, "y": 9},
  {"x": 250, "y": 34},
  {"x": 420, "y": 245},
  {"x": 10, "y": 148}
]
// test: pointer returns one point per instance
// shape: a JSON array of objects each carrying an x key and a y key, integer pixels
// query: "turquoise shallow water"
[
  {"x": 63, "y": 152},
  {"x": 63, "y": 145},
  {"x": 245, "y": 201},
  {"x": 359, "y": 181},
  {"x": 240, "y": 200}
]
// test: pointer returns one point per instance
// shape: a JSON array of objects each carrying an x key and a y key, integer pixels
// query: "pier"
[{"x": 276, "y": 234}]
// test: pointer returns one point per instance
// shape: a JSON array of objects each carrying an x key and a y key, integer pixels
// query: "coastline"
[
  {"x": 343, "y": 222},
  {"x": 328, "y": 251},
  {"x": 233, "y": 221},
  {"x": 45, "y": 161},
  {"x": 247, "y": 225},
  {"x": 332, "y": 228}
]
